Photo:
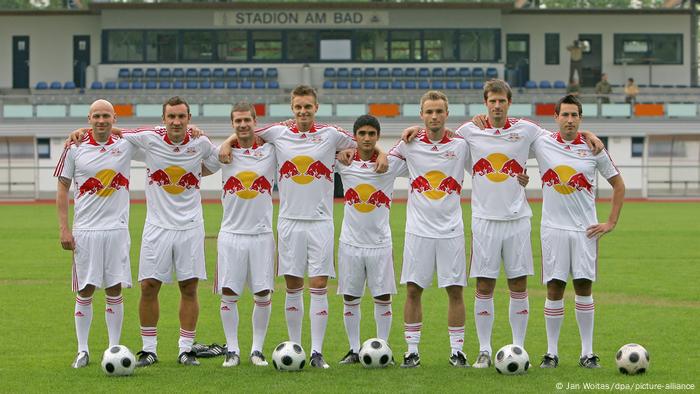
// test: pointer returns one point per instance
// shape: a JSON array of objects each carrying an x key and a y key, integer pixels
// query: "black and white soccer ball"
[
  {"x": 632, "y": 359},
  {"x": 289, "y": 356},
  {"x": 118, "y": 361},
  {"x": 375, "y": 353},
  {"x": 512, "y": 360}
]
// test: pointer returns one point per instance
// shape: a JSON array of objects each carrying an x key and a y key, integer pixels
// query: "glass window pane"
[
  {"x": 667, "y": 49},
  {"x": 487, "y": 45},
  {"x": 161, "y": 46},
  {"x": 469, "y": 46},
  {"x": 405, "y": 45},
  {"x": 267, "y": 45},
  {"x": 198, "y": 45},
  {"x": 125, "y": 46},
  {"x": 646, "y": 48},
  {"x": 371, "y": 46},
  {"x": 439, "y": 45},
  {"x": 301, "y": 45},
  {"x": 232, "y": 46},
  {"x": 551, "y": 48}
]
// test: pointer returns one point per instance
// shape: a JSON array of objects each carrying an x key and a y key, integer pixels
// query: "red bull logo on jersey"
[
  {"x": 304, "y": 169},
  {"x": 365, "y": 198},
  {"x": 103, "y": 184},
  {"x": 247, "y": 185},
  {"x": 497, "y": 167},
  {"x": 435, "y": 185},
  {"x": 566, "y": 180},
  {"x": 173, "y": 179}
]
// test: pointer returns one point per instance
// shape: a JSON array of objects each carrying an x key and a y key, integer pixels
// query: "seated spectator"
[
  {"x": 603, "y": 89},
  {"x": 631, "y": 91}
]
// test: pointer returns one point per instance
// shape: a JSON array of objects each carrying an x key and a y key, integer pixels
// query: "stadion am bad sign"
[{"x": 300, "y": 18}]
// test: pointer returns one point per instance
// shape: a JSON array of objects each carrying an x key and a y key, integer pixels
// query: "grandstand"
[{"x": 363, "y": 57}]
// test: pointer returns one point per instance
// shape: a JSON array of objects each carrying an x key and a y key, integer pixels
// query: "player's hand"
[
  {"x": 225, "y": 155},
  {"x": 382, "y": 163},
  {"x": 67, "y": 241},
  {"x": 410, "y": 133},
  {"x": 598, "y": 230},
  {"x": 289, "y": 122},
  {"x": 345, "y": 156},
  {"x": 523, "y": 179},
  {"x": 196, "y": 131},
  {"x": 75, "y": 136},
  {"x": 593, "y": 142},
  {"x": 117, "y": 131},
  {"x": 480, "y": 121},
  {"x": 449, "y": 132}
]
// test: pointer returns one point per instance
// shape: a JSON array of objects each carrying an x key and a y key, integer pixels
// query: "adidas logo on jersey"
[
  {"x": 434, "y": 148},
  {"x": 177, "y": 149}
]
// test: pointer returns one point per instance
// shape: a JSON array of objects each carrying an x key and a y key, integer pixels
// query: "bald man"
[{"x": 99, "y": 168}]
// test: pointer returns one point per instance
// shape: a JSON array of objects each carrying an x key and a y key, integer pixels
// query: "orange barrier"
[
  {"x": 384, "y": 110},
  {"x": 648, "y": 110},
  {"x": 259, "y": 109},
  {"x": 546, "y": 109},
  {"x": 124, "y": 110}
]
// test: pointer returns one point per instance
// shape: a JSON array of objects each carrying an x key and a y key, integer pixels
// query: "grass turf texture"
[{"x": 647, "y": 292}]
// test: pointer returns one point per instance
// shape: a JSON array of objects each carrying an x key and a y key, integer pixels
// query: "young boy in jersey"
[
  {"x": 434, "y": 228},
  {"x": 365, "y": 248},
  {"x": 100, "y": 239},
  {"x": 246, "y": 246},
  {"x": 570, "y": 230}
]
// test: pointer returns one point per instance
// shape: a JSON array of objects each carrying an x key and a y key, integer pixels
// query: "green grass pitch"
[{"x": 647, "y": 292}]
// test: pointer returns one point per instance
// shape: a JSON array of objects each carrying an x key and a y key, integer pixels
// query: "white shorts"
[
  {"x": 568, "y": 252},
  {"x": 245, "y": 259},
  {"x": 165, "y": 251},
  {"x": 422, "y": 255},
  {"x": 101, "y": 258},
  {"x": 496, "y": 240},
  {"x": 373, "y": 265},
  {"x": 305, "y": 246}
]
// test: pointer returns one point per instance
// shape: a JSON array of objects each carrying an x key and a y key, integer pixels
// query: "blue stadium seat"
[
  {"x": 43, "y": 85},
  {"x": 424, "y": 85},
  {"x": 451, "y": 85},
  {"x": 423, "y": 72},
  {"x": 55, "y": 85},
  {"x": 383, "y": 72},
  {"x": 273, "y": 85},
  {"x": 178, "y": 73},
  {"x": 410, "y": 72},
  {"x": 343, "y": 72},
  {"x": 123, "y": 85},
  {"x": 545, "y": 85},
  {"x": 491, "y": 72},
  {"x": 559, "y": 85},
  {"x": 205, "y": 85},
  {"x": 244, "y": 73},
  {"x": 151, "y": 85},
  {"x": 69, "y": 85},
  {"x": 232, "y": 85},
  {"x": 478, "y": 73},
  {"x": 164, "y": 73},
  {"x": 137, "y": 73},
  {"x": 111, "y": 85},
  {"x": 151, "y": 73},
  {"x": 370, "y": 72},
  {"x": 178, "y": 85},
  {"x": 451, "y": 72},
  {"x": 258, "y": 73},
  {"x": 369, "y": 85},
  {"x": 329, "y": 72},
  {"x": 356, "y": 73},
  {"x": 219, "y": 84},
  {"x": 478, "y": 85},
  {"x": 396, "y": 72},
  {"x": 530, "y": 85},
  {"x": 97, "y": 85},
  {"x": 438, "y": 72},
  {"x": 271, "y": 73},
  {"x": 342, "y": 85},
  {"x": 192, "y": 85},
  {"x": 231, "y": 73},
  {"x": 205, "y": 73},
  {"x": 383, "y": 84},
  {"x": 138, "y": 85},
  {"x": 355, "y": 84},
  {"x": 123, "y": 73},
  {"x": 246, "y": 85},
  {"x": 437, "y": 85},
  {"x": 164, "y": 85},
  {"x": 328, "y": 84},
  {"x": 259, "y": 84},
  {"x": 410, "y": 84},
  {"x": 396, "y": 85},
  {"x": 218, "y": 73},
  {"x": 464, "y": 72},
  {"x": 465, "y": 85},
  {"x": 191, "y": 73}
]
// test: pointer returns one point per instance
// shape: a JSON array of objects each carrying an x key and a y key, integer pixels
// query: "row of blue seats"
[
  {"x": 124, "y": 85},
  {"x": 397, "y": 85},
  {"x": 411, "y": 72},
  {"x": 545, "y": 85},
  {"x": 55, "y": 85},
  {"x": 202, "y": 73}
]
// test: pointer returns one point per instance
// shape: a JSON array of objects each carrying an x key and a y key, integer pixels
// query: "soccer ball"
[
  {"x": 118, "y": 361},
  {"x": 632, "y": 359},
  {"x": 288, "y": 356},
  {"x": 375, "y": 353},
  {"x": 512, "y": 360}
]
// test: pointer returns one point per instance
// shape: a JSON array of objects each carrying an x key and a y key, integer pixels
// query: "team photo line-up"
[{"x": 301, "y": 156}]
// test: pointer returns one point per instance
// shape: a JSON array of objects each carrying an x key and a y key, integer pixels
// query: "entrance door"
[
  {"x": 518, "y": 58},
  {"x": 81, "y": 59},
  {"x": 20, "y": 62},
  {"x": 592, "y": 62}
]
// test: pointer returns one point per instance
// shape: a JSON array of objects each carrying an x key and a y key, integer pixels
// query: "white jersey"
[
  {"x": 247, "y": 189},
  {"x": 305, "y": 164},
  {"x": 436, "y": 172},
  {"x": 568, "y": 171},
  {"x": 368, "y": 198},
  {"x": 173, "y": 173},
  {"x": 498, "y": 156},
  {"x": 100, "y": 173}
]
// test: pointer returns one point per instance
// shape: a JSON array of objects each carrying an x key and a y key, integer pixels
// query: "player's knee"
[
  {"x": 413, "y": 291},
  {"x": 583, "y": 287},
  {"x": 383, "y": 297},
  {"x": 228, "y": 292},
  {"x": 318, "y": 282},
  {"x": 555, "y": 290},
  {"x": 294, "y": 282},
  {"x": 454, "y": 293},
  {"x": 485, "y": 286},
  {"x": 518, "y": 284},
  {"x": 263, "y": 293},
  {"x": 149, "y": 288},
  {"x": 114, "y": 290},
  {"x": 349, "y": 297},
  {"x": 188, "y": 288},
  {"x": 87, "y": 291}
]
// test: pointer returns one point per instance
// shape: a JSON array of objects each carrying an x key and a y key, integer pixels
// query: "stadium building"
[{"x": 373, "y": 58}]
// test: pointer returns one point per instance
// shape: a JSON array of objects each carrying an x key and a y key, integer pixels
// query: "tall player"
[
  {"x": 246, "y": 246},
  {"x": 570, "y": 230},
  {"x": 434, "y": 228},
  {"x": 100, "y": 237},
  {"x": 365, "y": 250},
  {"x": 305, "y": 153}
]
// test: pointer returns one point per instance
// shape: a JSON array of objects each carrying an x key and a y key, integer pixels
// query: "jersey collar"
[
  {"x": 371, "y": 160},
  {"x": 295, "y": 129},
  {"x": 506, "y": 126},
  {"x": 577, "y": 141},
  {"x": 238, "y": 146},
  {"x": 92, "y": 141},
  {"x": 184, "y": 141},
  {"x": 424, "y": 138}
]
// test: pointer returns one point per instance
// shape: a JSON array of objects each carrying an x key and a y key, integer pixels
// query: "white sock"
[
  {"x": 229, "y": 318},
  {"x": 149, "y": 337},
  {"x": 186, "y": 340},
  {"x": 294, "y": 313},
  {"x": 261, "y": 319},
  {"x": 585, "y": 309},
  {"x": 483, "y": 317},
  {"x": 456, "y": 338},
  {"x": 553, "y": 318},
  {"x": 519, "y": 311},
  {"x": 411, "y": 333},
  {"x": 383, "y": 316},
  {"x": 318, "y": 314},
  {"x": 114, "y": 316},
  {"x": 83, "y": 319},
  {"x": 351, "y": 317}
]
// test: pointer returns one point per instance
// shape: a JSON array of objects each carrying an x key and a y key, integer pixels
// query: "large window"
[
  {"x": 336, "y": 45},
  {"x": 371, "y": 45},
  {"x": 267, "y": 45},
  {"x": 405, "y": 45},
  {"x": 161, "y": 46},
  {"x": 198, "y": 46},
  {"x": 648, "y": 48},
  {"x": 439, "y": 45},
  {"x": 125, "y": 46},
  {"x": 551, "y": 48},
  {"x": 301, "y": 45},
  {"x": 479, "y": 45},
  {"x": 232, "y": 46}
]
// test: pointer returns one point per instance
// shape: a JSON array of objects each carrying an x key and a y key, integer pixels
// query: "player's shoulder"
[{"x": 524, "y": 123}]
